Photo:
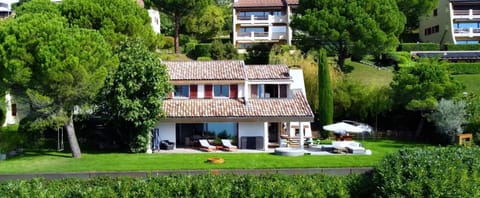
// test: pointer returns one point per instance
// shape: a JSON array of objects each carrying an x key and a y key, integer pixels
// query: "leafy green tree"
[
  {"x": 206, "y": 23},
  {"x": 448, "y": 117},
  {"x": 325, "y": 92},
  {"x": 133, "y": 95},
  {"x": 418, "y": 88},
  {"x": 414, "y": 9},
  {"x": 178, "y": 9},
  {"x": 115, "y": 19},
  {"x": 356, "y": 27},
  {"x": 61, "y": 66}
]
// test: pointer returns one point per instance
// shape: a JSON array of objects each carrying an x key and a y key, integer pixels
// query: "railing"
[
  {"x": 262, "y": 19},
  {"x": 261, "y": 35},
  {"x": 469, "y": 32},
  {"x": 466, "y": 14}
]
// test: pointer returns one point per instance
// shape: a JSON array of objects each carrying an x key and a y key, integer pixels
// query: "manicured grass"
[
  {"x": 368, "y": 74},
  {"x": 471, "y": 82},
  {"x": 37, "y": 162}
]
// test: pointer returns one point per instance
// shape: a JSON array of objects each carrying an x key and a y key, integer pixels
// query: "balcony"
[
  {"x": 467, "y": 32},
  {"x": 252, "y": 19},
  {"x": 251, "y": 36},
  {"x": 466, "y": 14}
]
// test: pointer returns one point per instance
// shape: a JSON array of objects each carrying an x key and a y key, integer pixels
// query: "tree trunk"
[
  {"x": 419, "y": 127},
  {"x": 342, "y": 55},
  {"x": 177, "y": 33},
  {"x": 72, "y": 138}
]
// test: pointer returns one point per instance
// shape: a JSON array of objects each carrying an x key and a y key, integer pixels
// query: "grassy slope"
[
  {"x": 32, "y": 162},
  {"x": 471, "y": 82},
  {"x": 368, "y": 74}
]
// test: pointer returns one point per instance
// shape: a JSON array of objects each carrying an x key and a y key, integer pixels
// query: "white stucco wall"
[
  {"x": 241, "y": 90},
  {"x": 167, "y": 131},
  {"x": 200, "y": 91},
  {"x": 306, "y": 126},
  {"x": 442, "y": 19},
  {"x": 298, "y": 80},
  {"x": 254, "y": 129},
  {"x": 155, "y": 20}
]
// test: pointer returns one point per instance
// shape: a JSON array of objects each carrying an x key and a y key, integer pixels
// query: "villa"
[
  {"x": 259, "y": 21},
  {"x": 452, "y": 21},
  {"x": 254, "y": 105}
]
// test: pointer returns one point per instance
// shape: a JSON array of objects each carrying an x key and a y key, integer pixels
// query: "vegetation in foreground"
[
  {"x": 36, "y": 162},
  {"x": 433, "y": 172}
]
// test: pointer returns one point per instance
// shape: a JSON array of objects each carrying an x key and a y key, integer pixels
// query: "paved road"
[{"x": 86, "y": 175}]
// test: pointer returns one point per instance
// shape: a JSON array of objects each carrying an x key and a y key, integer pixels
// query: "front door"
[{"x": 273, "y": 132}]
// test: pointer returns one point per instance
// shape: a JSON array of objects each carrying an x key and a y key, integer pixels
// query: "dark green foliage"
[
  {"x": 3, "y": 109},
  {"x": 133, "y": 95},
  {"x": 204, "y": 58},
  {"x": 223, "y": 51},
  {"x": 258, "y": 54},
  {"x": 10, "y": 138},
  {"x": 168, "y": 42},
  {"x": 464, "y": 68},
  {"x": 463, "y": 47},
  {"x": 408, "y": 47},
  {"x": 200, "y": 50},
  {"x": 430, "y": 172},
  {"x": 473, "y": 116},
  {"x": 325, "y": 92},
  {"x": 207, "y": 185},
  {"x": 414, "y": 9}
]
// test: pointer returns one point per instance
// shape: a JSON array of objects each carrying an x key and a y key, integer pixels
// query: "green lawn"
[
  {"x": 32, "y": 162},
  {"x": 471, "y": 82},
  {"x": 368, "y": 74}
]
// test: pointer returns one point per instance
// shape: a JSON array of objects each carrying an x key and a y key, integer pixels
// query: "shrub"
[
  {"x": 218, "y": 50},
  {"x": 463, "y": 47},
  {"x": 429, "y": 172},
  {"x": 408, "y": 47},
  {"x": 201, "y": 49},
  {"x": 204, "y": 58},
  {"x": 169, "y": 42},
  {"x": 448, "y": 117},
  {"x": 464, "y": 68}
]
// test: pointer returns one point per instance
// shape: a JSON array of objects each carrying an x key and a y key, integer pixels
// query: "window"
[
  {"x": 435, "y": 12},
  {"x": 181, "y": 90},
  {"x": 221, "y": 90}
]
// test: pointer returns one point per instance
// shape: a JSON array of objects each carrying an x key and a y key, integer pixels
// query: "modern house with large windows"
[
  {"x": 262, "y": 21},
  {"x": 452, "y": 21},
  {"x": 254, "y": 105}
]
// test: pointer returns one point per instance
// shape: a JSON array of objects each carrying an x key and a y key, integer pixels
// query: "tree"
[
  {"x": 325, "y": 92},
  {"x": 414, "y": 9},
  {"x": 133, "y": 95},
  {"x": 356, "y": 27},
  {"x": 114, "y": 19},
  {"x": 448, "y": 117},
  {"x": 178, "y": 9},
  {"x": 51, "y": 62},
  {"x": 418, "y": 88},
  {"x": 206, "y": 23}
]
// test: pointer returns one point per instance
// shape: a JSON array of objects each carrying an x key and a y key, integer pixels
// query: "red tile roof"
[
  {"x": 205, "y": 70},
  {"x": 258, "y": 3},
  {"x": 287, "y": 109},
  {"x": 265, "y": 72}
]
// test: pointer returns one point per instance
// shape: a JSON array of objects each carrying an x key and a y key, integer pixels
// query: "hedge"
[
  {"x": 430, "y": 172},
  {"x": 408, "y": 47},
  {"x": 411, "y": 172},
  {"x": 464, "y": 68},
  {"x": 462, "y": 47},
  {"x": 188, "y": 186}
]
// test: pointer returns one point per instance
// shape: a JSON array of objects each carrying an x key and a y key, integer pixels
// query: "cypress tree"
[{"x": 325, "y": 92}]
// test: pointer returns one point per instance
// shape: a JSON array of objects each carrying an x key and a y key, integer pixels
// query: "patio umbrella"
[{"x": 342, "y": 126}]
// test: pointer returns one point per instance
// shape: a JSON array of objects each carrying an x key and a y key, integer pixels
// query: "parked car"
[{"x": 366, "y": 128}]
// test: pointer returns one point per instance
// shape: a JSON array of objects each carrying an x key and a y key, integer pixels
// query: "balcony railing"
[
  {"x": 261, "y": 35},
  {"x": 262, "y": 19},
  {"x": 466, "y": 14},
  {"x": 467, "y": 32}
]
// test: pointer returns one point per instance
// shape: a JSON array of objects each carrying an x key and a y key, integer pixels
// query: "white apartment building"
[
  {"x": 262, "y": 21},
  {"x": 452, "y": 21}
]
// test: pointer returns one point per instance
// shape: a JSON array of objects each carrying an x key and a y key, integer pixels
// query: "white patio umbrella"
[{"x": 342, "y": 126}]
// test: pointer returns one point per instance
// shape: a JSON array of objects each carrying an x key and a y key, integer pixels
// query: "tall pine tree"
[{"x": 325, "y": 92}]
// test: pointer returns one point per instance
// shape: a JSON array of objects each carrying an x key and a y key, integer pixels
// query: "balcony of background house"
[
  {"x": 463, "y": 13},
  {"x": 262, "y": 17},
  {"x": 467, "y": 32}
]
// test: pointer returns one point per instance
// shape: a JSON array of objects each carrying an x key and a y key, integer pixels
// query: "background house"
[
  {"x": 254, "y": 105},
  {"x": 453, "y": 21},
  {"x": 260, "y": 21}
]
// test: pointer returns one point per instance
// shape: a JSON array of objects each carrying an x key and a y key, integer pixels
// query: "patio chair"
[
  {"x": 227, "y": 145},
  {"x": 205, "y": 146},
  {"x": 166, "y": 145}
]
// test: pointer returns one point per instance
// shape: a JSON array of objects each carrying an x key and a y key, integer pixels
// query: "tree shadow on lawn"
[{"x": 36, "y": 153}]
